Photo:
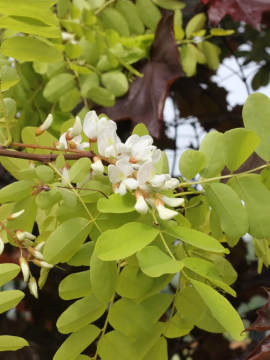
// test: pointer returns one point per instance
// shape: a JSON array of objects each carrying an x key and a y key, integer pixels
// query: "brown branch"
[
  {"x": 44, "y": 158},
  {"x": 42, "y": 147}
]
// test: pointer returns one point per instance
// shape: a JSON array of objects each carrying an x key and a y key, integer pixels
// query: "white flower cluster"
[{"x": 131, "y": 164}]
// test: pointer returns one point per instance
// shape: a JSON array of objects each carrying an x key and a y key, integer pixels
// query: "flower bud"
[
  {"x": 97, "y": 166},
  {"x": 163, "y": 212},
  {"x": 2, "y": 246},
  {"x": 32, "y": 285},
  {"x": 25, "y": 268},
  {"x": 45, "y": 126},
  {"x": 75, "y": 130},
  {"x": 15, "y": 215},
  {"x": 43, "y": 264},
  {"x": 40, "y": 246},
  {"x": 65, "y": 175},
  {"x": 37, "y": 254},
  {"x": 173, "y": 202},
  {"x": 20, "y": 235},
  {"x": 141, "y": 205}
]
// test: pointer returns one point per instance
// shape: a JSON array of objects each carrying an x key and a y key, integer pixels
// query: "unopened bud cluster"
[{"x": 131, "y": 164}]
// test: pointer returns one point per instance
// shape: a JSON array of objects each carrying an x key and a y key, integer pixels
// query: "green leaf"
[
  {"x": 134, "y": 284},
  {"x": 80, "y": 313},
  {"x": 10, "y": 107},
  {"x": 211, "y": 52},
  {"x": 207, "y": 270},
  {"x": 76, "y": 343},
  {"x": 239, "y": 145},
  {"x": 87, "y": 82},
  {"x": 212, "y": 147},
  {"x": 70, "y": 100},
  {"x": 196, "y": 23},
  {"x": 58, "y": 85},
  {"x": 178, "y": 326},
  {"x": 8, "y": 76},
  {"x": 221, "y": 309},
  {"x": 116, "y": 82},
  {"x": 149, "y": 13},
  {"x": 231, "y": 213},
  {"x": 116, "y": 204},
  {"x": 130, "y": 318},
  {"x": 40, "y": 11},
  {"x": 188, "y": 55},
  {"x": 197, "y": 212},
  {"x": 155, "y": 262},
  {"x": 9, "y": 299},
  {"x": 158, "y": 351},
  {"x": 8, "y": 272},
  {"x": 140, "y": 129},
  {"x": 83, "y": 255},
  {"x": 115, "y": 345},
  {"x": 21, "y": 48},
  {"x": 193, "y": 311},
  {"x": 27, "y": 219},
  {"x": 101, "y": 96},
  {"x": 257, "y": 202},
  {"x": 63, "y": 243},
  {"x": 113, "y": 19},
  {"x": 103, "y": 278},
  {"x": 75, "y": 286},
  {"x": 170, "y": 4},
  {"x": 162, "y": 166},
  {"x": 12, "y": 343},
  {"x": 130, "y": 13},
  {"x": 79, "y": 170},
  {"x": 256, "y": 113},
  {"x": 193, "y": 237},
  {"x": 116, "y": 244},
  {"x": 191, "y": 162},
  {"x": 221, "y": 32},
  {"x": 28, "y": 26},
  {"x": 16, "y": 191},
  {"x": 44, "y": 173}
]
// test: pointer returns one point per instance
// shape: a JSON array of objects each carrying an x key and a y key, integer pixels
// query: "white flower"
[
  {"x": 163, "y": 212},
  {"x": 45, "y": 126},
  {"x": 141, "y": 205},
  {"x": 140, "y": 149},
  {"x": 76, "y": 129},
  {"x": 97, "y": 166},
  {"x": 93, "y": 126},
  {"x": 145, "y": 173},
  {"x": 74, "y": 143},
  {"x": 108, "y": 142},
  {"x": 90, "y": 125},
  {"x": 25, "y": 268},
  {"x": 158, "y": 181},
  {"x": 121, "y": 170},
  {"x": 119, "y": 174},
  {"x": 173, "y": 202},
  {"x": 40, "y": 246},
  {"x": 171, "y": 184}
]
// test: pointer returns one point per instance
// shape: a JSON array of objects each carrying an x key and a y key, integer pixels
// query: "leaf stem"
[
  {"x": 203, "y": 181},
  {"x": 162, "y": 237},
  {"x": 79, "y": 197}
]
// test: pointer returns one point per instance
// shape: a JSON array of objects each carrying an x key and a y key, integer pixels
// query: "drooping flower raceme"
[{"x": 131, "y": 164}]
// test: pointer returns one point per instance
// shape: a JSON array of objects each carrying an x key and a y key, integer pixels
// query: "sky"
[{"x": 228, "y": 75}]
